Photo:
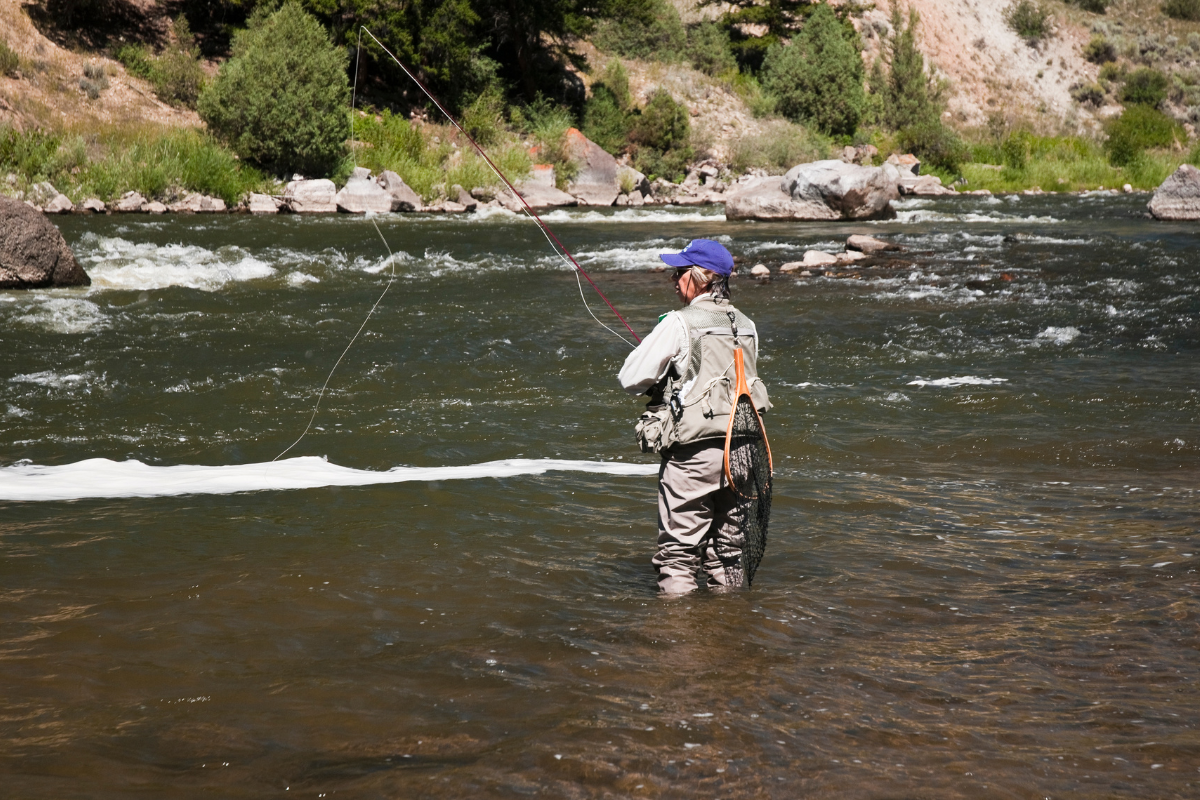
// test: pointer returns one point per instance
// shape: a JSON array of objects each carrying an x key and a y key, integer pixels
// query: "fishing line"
[{"x": 558, "y": 247}]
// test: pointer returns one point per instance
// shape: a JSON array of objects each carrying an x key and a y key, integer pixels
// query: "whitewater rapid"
[{"x": 104, "y": 478}]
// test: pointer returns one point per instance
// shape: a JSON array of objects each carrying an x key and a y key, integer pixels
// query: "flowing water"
[{"x": 981, "y": 578}]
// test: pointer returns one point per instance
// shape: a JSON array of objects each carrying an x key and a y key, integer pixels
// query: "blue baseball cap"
[{"x": 702, "y": 253}]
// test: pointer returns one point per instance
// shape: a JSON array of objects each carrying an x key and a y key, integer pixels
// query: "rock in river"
[
  {"x": 33, "y": 253},
  {"x": 822, "y": 190},
  {"x": 1178, "y": 198}
]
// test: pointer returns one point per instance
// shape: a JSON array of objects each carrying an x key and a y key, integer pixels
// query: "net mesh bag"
[{"x": 749, "y": 474}]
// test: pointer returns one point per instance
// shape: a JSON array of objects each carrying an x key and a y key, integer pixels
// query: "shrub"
[
  {"x": 30, "y": 154},
  {"x": 780, "y": 146},
  {"x": 708, "y": 49},
  {"x": 607, "y": 120},
  {"x": 1112, "y": 71},
  {"x": 281, "y": 99},
  {"x": 1139, "y": 128},
  {"x": 10, "y": 62},
  {"x": 176, "y": 73},
  {"x": 1088, "y": 94},
  {"x": 1099, "y": 50},
  {"x": 748, "y": 88},
  {"x": 818, "y": 78},
  {"x": 137, "y": 59},
  {"x": 910, "y": 96},
  {"x": 662, "y": 137},
  {"x": 1014, "y": 150},
  {"x": 1029, "y": 19},
  {"x": 1145, "y": 86},
  {"x": 1182, "y": 9},
  {"x": 935, "y": 144},
  {"x": 649, "y": 30},
  {"x": 1094, "y": 6},
  {"x": 483, "y": 119}
]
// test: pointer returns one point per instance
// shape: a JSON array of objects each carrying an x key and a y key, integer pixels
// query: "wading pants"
[{"x": 697, "y": 519}]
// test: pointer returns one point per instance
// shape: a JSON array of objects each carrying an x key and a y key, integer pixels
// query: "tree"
[
  {"x": 282, "y": 99},
  {"x": 779, "y": 18},
  {"x": 911, "y": 96},
  {"x": 818, "y": 78}
]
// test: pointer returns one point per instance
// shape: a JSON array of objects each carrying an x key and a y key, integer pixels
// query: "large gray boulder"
[
  {"x": 33, "y": 254},
  {"x": 311, "y": 196},
  {"x": 849, "y": 190},
  {"x": 539, "y": 196},
  {"x": 764, "y": 199},
  {"x": 1178, "y": 198},
  {"x": 403, "y": 197},
  {"x": 596, "y": 182},
  {"x": 195, "y": 203},
  {"x": 362, "y": 194}
]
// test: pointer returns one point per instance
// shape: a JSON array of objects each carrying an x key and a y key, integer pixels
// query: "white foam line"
[{"x": 101, "y": 477}]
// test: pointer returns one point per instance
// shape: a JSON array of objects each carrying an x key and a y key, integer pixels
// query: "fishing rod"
[
  {"x": 555, "y": 244},
  {"x": 559, "y": 248}
]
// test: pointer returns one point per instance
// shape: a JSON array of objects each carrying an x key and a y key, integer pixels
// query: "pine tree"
[{"x": 911, "y": 96}]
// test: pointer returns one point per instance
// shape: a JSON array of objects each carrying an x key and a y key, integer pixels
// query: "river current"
[{"x": 982, "y": 569}]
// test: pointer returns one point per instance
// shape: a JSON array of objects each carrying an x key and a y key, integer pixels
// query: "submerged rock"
[
  {"x": 33, "y": 254},
  {"x": 869, "y": 244},
  {"x": 1178, "y": 198}
]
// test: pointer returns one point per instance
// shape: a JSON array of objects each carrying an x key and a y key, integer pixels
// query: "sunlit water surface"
[{"x": 981, "y": 579}]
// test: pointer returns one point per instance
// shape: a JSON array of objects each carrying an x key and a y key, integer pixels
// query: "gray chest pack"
[{"x": 695, "y": 405}]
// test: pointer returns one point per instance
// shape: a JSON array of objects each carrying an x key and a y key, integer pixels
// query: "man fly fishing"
[{"x": 698, "y": 366}]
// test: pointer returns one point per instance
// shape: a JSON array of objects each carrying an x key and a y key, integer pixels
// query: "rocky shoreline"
[{"x": 846, "y": 188}]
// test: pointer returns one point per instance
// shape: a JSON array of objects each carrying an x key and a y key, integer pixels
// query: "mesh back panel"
[{"x": 750, "y": 470}]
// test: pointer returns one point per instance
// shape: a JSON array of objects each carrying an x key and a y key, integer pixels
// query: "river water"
[{"x": 981, "y": 579}]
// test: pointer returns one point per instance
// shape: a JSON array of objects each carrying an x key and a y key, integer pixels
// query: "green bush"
[
  {"x": 607, "y": 117},
  {"x": 30, "y": 155},
  {"x": 911, "y": 97},
  {"x": 935, "y": 144},
  {"x": 1099, "y": 50},
  {"x": 1182, "y": 9},
  {"x": 137, "y": 58},
  {"x": 483, "y": 119},
  {"x": 176, "y": 73},
  {"x": 1141, "y": 127},
  {"x": 1029, "y": 19},
  {"x": 708, "y": 49},
  {"x": 1094, "y": 6},
  {"x": 780, "y": 145},
  {"x": 650, "y": 30},
  {"x": 1112, "y": 71},
  {"x": 1014, "y": 150},
  {"x": 10, "y": 62},
  {"x": 818, "y": 78},
  {"x": 281, "y": 99},
  {"x": 1088, "y": 94},
  {"x": 1145, "y": 86},
  {"x": 662, "y": 137}
]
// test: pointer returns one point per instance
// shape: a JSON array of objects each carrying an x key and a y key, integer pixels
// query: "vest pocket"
[
  {"x": 655, "y": 429},
  {"x": 758, "y": 393}
]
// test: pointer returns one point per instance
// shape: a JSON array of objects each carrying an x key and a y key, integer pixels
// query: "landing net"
[{"x": 749, "y": 475}]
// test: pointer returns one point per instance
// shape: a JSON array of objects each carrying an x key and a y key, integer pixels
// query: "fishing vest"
[{"x": 695, "y": 405}]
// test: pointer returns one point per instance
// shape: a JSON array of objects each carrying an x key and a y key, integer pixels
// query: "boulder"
[
  {"x": 794, "y": 266},
  {"x": 924, "y": 186},
  {"x": 362, "y": 194},
  {"x": 154, "y": 207},
  {"x": 538, "y": 196},
  {"x": 195, "y": 203},
  {"x": 760, "y": 271},
  {"x": 909, "y": 163},
  {"x": 33, "y": 254},
  {"x": 41, "y": 194},
  {"x": 94, "y": 206},
  {"x": 311, "y": 196},
  {"x": 635, "y": 199},
  {"x": 763, "y": 199},
  {"x": 635, "y": 181},
  {"x": 403, "y": 197},
  {"x": 542, "y": 174},
  {"x": 464, "y": 198},
  {"x": 850, "y": 256},
  {"x": 60, "y": 204},
  {"x": 818, "y": 258},
  {"x": 130, "y": 202},
  {"x": 596, "y": 182},
  {"x": 1178, "y": 198},
  {"x": 262, "y": 204},
  {"x": 850, "y": 191},
  {"x": 869, "y": 244}
]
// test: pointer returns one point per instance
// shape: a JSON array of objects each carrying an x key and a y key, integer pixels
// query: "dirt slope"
[{"x": 48, "y": 93}]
